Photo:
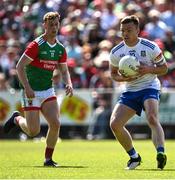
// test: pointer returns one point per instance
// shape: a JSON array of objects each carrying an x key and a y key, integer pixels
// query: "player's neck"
[
  {"x": 133, "y": 43},
  {"x": 49, "y": 39}
]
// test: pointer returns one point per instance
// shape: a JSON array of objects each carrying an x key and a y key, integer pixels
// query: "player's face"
[
  {"x": 52, "y": 27},
  {"x": 129, "y": 33}
]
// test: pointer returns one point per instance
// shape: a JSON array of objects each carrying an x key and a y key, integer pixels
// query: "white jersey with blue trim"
[{"x": 148, "y": 53}]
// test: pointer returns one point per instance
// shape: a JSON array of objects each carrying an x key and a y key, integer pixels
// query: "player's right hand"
[
  {"x": 122, "y": 73},
  {"x": 69, "y": 90},
  {"x": 29, "y": 92},
  {"x": 129, "y": 78}
]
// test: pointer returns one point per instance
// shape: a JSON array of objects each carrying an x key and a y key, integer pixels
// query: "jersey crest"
[{"x": 143, "y": 53}]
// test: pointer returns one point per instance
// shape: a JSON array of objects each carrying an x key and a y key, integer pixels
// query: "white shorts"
[{"x": 40, "y": 98}]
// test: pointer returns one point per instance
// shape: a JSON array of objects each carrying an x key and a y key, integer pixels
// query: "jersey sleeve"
[
  {"x": 32, "y": 50},
  {"x": 113, "y": 59},
  {"x": 157, "y": 56},
  {"x": 63, "y": 58}
]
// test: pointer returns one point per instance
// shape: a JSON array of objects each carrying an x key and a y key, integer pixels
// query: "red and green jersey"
[{"x": 45, "y": 58}]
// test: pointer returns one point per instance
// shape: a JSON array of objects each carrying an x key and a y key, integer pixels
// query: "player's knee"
[
  {"x": 54, "y": 126},
  {"x": 152, "y": 119},
  {"x": 114, "y": 125},
  {"x": 33, "y": 132}
]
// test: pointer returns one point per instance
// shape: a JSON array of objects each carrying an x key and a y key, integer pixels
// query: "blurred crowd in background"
[{"x": 89, "y": 29}]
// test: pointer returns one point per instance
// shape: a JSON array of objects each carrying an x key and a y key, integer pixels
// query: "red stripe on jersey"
[
  {"x": 63, "y": 58},
  {"x": 158, "y": 58},
  {"x": 32, "y": 50}
]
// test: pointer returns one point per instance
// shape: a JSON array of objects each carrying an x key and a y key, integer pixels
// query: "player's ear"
[{"x": 44, "y": 25}]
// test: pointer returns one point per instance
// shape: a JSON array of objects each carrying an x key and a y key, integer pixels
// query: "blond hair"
[{"x": 51, "y": 16}]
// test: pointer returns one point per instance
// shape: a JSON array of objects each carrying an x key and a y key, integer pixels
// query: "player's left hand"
[{"x": 69, "y": 90}]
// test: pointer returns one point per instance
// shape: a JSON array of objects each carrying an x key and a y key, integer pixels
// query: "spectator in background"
[
  {"x": 87, "y": 64},
  {"x": 108, "y": 18},
  {"x": 169, "y": 41},
  {"x": 168, "y": 16},
  {"x": 4, "y": 86},
  {"x": 85, "y": 13},
  {"x": 102, "y": 105},
  {"x": 11, "y": 61},
  {"x": 97, "y": 5},
  {"x": 113, "y": 37},
  {"x": 78, "y": 76},
  {"x": 167, "y": 80},
  {"x": 156, "y": 28},
  {"x": 93, "y": 37},
  {"x": 3, "y": 55},
  {"x": 42, "y": 7},
  {"x": 74, "y": 50},
  {"x": 132, "y": 8},
  {"x": 101, "y": 84},
  {"x": 102, "y": 63},
  {"x": 11, "y": 22},
  {"x": 19, "y": 20}
]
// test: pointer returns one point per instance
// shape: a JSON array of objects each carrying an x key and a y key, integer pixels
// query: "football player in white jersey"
[{"x": 142, "y": 91}]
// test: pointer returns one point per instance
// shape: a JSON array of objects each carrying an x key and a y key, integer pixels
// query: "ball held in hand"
[{"x": 128, "y": 65}]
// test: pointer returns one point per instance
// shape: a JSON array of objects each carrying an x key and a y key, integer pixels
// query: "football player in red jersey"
[{"x": 35, "y": 71}]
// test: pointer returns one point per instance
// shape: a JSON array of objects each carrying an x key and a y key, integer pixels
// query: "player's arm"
[
  {"x": 119, "y": 77},
  {"x": 158, "y": 69},
  {"x": 20, "y": 67},
  {"x": 66, "y": 78},
  {"x": 160, "y": 66}
]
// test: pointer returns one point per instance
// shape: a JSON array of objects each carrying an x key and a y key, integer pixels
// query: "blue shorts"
[{"x": 135, "y": 100}]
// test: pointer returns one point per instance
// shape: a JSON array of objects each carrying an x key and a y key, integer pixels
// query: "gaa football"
[{"x": 128, "y": 65}]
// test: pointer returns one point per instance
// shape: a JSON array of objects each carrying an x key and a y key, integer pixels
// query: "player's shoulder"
[
  {"x": 39, "y": 40},
  {"x": 117, "y": 48},
  {"x": 148, "y": 44},
  {"x": 60, "y": 44}
]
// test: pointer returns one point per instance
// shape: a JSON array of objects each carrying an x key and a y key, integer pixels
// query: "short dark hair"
[
  {"x": 51, "y": 16},
  {"x": 130, "y": 19}
]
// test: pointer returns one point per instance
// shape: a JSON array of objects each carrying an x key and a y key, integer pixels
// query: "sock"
[
  {"x": 17, "y": 119},
  {"x": 160, "y": 149},
  {"x": 132, "y": 153},
  {"x": 48, "y": 153}
]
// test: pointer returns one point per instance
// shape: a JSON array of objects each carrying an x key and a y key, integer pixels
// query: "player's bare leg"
[
  {"x": 50, "y": 111},
  {"x": 31, "y": 124},
  {"x": 121, "y": 114},
  {"x": 158, "y": 137}
]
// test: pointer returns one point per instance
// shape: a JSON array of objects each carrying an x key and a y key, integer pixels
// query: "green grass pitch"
[{"x": 82, "y": 159}]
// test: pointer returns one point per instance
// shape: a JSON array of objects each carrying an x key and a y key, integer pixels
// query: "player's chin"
[{"x": 54, "y": 33}]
